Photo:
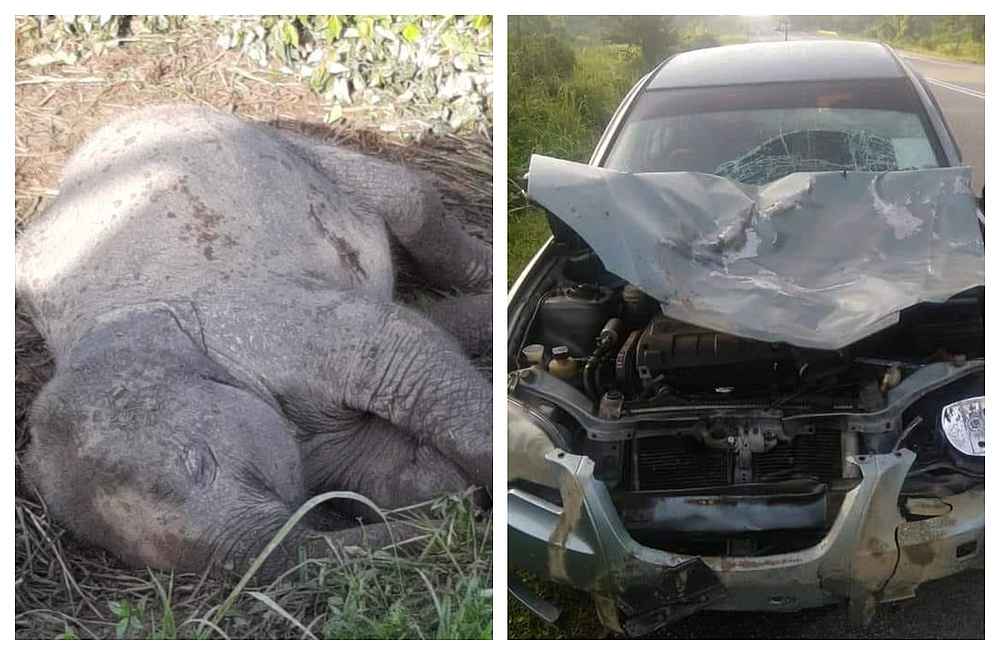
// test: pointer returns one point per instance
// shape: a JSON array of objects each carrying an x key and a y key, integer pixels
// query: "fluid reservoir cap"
[
  {"x": 561, "y": 365},
  {"x": 534, "y": 353}
]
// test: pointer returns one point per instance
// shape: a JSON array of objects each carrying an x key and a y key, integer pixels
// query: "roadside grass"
[
  {"x": 731, "y": 39},
  {"x": 967, "y": 51},
  {"x": 561, "y": 114},
  {"x": 577, "y": 621},
  {"x": 964, "y": 50},
  {"x": 527, "y": 231},
  {"x": 66, "y": 589}
]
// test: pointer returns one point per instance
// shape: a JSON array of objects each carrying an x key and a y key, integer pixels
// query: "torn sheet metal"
[{"x": 818, "y": 260}]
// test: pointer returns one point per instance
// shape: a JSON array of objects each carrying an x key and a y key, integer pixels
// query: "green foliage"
[
  {"x": 166, "y": 627},
  {"x": 527, "y": 230},
  {"x": 955, "y": 36},
  {"x": 73, "y": 39},
  {"x": 963, "y": 37},
  {"x": 442, "y": 591},
  {"x": 655, "y": 36},
  {"x": 438, "y": 67},
  {"x": 537, "y": 58},
  {"x": 411, "y": 73},
  {"x": 390, "y": 598},
  {"x": 468, "y": 612},
  {"x": 461, "y": 613},
  {"x": 129, "y": 618},
  {"x": 135, "y": 620},
  {"x": 356, "y": 615},
  {"x": 560, "y": 97},
  {"x": 697, "y": 39},
  {"x": 577, "y": 621},
  {"x": 560, "y": 110},
  {"x": 601, "y": 78}
]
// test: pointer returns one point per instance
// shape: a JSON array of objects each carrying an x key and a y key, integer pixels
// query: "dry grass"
[{"x": 65, "y": 588}]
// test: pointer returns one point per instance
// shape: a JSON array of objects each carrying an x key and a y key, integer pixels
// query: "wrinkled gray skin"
[{"x": 219, "y": 300}]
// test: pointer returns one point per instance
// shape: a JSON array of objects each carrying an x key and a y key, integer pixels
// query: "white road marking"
[
  {"x": 941, "y": 62},
  {"x": 958, "y": 89}
]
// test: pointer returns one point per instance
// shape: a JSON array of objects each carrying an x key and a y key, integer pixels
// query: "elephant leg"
[
  {"x": 467, "y": 318},
  {"x": 379, "y": 461},
  {"x": 445, "y": 253}
]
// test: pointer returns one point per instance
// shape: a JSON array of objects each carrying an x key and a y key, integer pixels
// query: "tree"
[
  {"x": 537, "y": 50},
  {"x": 656, "y": 36}
]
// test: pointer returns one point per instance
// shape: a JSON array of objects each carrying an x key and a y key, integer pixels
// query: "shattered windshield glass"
[
  {"x": 760, "y": 133},
  {"x": 811, "y": 151},
  {"x": 818, "y": 260}
]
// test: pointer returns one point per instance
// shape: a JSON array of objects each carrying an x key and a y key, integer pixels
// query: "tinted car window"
[{"x": 760, "y": 133}]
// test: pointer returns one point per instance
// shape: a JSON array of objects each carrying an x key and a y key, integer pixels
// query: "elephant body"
[{"x": 218, "y": 297}]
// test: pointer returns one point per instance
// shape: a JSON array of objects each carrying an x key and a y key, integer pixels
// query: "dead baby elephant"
[{"x": 219, "y": 299}]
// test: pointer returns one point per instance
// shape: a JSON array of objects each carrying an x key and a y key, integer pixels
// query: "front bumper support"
[{"x": 584, "y": 544}]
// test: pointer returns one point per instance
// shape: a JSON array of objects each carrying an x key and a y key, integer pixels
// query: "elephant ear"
[
  {"x": 145, "y": 330},
  {"x": 161, "y": 335}
]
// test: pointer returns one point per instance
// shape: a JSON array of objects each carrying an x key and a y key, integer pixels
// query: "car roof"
[{"x": 781, "y": 61}]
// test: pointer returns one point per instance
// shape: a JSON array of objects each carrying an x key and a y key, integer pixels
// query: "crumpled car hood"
[{"x": 818, "y": 260}]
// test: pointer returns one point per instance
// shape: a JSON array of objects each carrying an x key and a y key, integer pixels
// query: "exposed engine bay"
[
  {"x": 728, "y": 355},
  {"x": 624, "y": 344},
  {"x": 711, "y": 443}
]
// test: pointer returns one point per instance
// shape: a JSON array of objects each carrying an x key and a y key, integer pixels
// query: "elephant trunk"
[{"x": 413, "y": 375}]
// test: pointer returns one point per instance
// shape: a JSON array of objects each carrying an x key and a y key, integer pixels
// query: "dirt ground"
[{"x": 63, "y": 587}]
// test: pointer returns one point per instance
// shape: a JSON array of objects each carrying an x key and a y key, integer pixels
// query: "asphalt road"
[
  {"x": 960, "y": 89},
  {"x": 953, "y": 608}
]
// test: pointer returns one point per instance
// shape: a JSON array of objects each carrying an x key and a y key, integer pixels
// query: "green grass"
[
  {"x": 527, "y": 231},
  {"x": 560, "y": 112},
  {"x": 731, "y": 39},
  {"x": 577, "y": 621},
  {"x": 441, "y": 591},
  {"x": 563, "y": 113},
  {"x": 968, "y": 51},
  {"x": 954, "y": 49}
]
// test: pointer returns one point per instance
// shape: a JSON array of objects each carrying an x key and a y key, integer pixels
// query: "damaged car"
[{"x": 747, "y": 371}]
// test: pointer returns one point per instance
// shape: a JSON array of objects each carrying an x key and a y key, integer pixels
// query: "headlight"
[
  {"x": 964, "y": 423},
  {"x": 529, "y": 437}
]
